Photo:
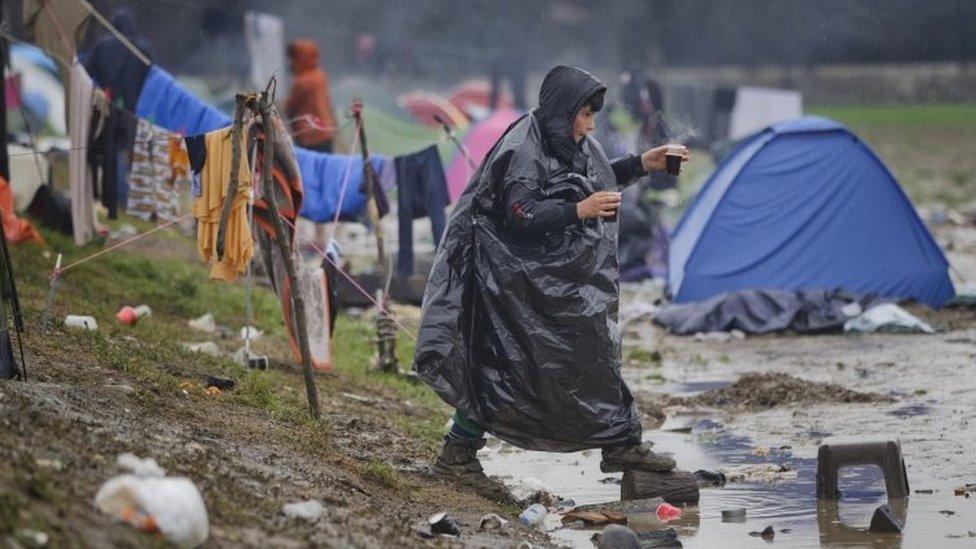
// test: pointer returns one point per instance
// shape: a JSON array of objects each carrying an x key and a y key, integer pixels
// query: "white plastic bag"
[{"x": 171, "y": 505}]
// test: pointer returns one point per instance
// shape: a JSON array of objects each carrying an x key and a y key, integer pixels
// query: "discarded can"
[
  {"x": 442, "y": 523},
  {"x": 533, "y": 514},
  {"x": 492, "y": 522},
  {"x": 734, "y": 515},
  {"x": 80, "y": 321}
]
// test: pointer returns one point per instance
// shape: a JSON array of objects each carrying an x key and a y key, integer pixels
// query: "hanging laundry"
[
  {"x": 114, "y": 67},
  {"x": 323, "y": 176},
  {"x": 422, "y": 193},
  {"x": 16, "y": 229},
  {"x": 238, "y": 246},
  {"x": 102, "y": 153},
  {"x": 80, "y": 181},
  {"x": 155, "y": 187},
  {"x": 196, "y": 149},
  {"x": 171, "y": 106},
  {"x": 57, "y": 28}
]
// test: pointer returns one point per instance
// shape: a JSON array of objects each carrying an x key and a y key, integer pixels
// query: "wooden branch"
[
  {"x": 235, "y": 165},
  {"x": 297, "y": 301}
]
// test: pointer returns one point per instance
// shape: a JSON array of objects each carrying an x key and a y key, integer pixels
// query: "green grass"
[
  {"x": 177, "y": 288},
  {"x": 926, "y": 114},
  {"x": 381, "y": 473}
]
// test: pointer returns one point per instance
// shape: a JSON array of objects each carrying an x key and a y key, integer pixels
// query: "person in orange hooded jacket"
[{"x": 309, "y": 106}]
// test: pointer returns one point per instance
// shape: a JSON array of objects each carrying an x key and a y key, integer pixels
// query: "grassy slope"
[{"x": 927, "y": 147}]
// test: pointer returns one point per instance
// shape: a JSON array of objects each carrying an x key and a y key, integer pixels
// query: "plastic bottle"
[{"x": 533, "y": 515}]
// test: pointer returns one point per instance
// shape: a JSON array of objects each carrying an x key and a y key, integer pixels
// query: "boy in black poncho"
[{"x": 519, "y": 324}]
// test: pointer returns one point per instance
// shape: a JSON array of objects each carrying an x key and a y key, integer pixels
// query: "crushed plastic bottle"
[{"x": 533, "y": 514}]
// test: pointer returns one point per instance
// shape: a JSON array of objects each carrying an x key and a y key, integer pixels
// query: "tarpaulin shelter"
[
  {"x": 478, "y": 141},
  {"x": 805, "y": 205}
]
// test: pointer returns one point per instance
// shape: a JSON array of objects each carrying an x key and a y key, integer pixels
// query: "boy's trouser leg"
[{"x": 465, "y": 428}]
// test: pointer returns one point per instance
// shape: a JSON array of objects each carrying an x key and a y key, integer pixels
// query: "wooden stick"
[
  {"x": 235, "y": 165},
  {"x": 297, "y": 301},
  {"x": 385, "y": 346}
]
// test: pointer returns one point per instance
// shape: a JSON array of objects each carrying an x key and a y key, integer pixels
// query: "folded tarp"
[
  {"x": 764, "y": 311},
  {"x": 169, "y": 105}
]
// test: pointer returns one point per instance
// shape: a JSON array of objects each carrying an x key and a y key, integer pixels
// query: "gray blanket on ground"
[{"x": 764, "y": 311}]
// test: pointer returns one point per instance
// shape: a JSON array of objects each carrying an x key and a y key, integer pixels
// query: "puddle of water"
[{"x": 789, "y": 506}]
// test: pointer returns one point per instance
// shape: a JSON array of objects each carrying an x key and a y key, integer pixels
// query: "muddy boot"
[
  {"x": 459, "y": 463},
  {"x": 637, "y": 457}
]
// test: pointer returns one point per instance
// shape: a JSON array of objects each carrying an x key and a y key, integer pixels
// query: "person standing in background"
[{"x": 309, "y": 106}]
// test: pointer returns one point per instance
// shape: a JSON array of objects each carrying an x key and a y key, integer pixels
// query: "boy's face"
[{"x": 584, "y": 123}]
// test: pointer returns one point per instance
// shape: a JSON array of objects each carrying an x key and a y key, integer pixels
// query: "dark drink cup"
[{"x": 673, "y": 164}]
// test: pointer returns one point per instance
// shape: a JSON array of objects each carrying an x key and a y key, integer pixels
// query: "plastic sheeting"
[
  {"x": 764, "y": 311},
  {"x": 805, "y": 205},
  {"x": 522, "y": 337}
]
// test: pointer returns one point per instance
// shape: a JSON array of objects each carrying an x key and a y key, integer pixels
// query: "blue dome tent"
[{"x": 805, "y": 205}]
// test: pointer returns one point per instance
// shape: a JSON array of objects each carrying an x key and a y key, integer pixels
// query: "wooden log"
[{"x": 676, "y": 487}]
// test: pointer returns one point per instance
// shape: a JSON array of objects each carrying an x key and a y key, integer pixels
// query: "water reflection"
[{"x": 834, "y": 531}]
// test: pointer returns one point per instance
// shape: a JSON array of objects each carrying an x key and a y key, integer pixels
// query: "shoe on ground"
[
  {"x": 458, "y": 462},
  {"x": 636, "y": 457}
]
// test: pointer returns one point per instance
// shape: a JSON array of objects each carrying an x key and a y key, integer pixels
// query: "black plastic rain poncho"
[{"x": 521, "y": 336}]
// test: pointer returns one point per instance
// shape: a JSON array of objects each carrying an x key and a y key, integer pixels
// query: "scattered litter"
[
  {"x": 535, "y": 514},
  {"x": 926, "y": 492},
  {"x": 212, "y": 391},
  {"x": 124, "y": 230},
  {"x": 309, "y": 510},
  {"x": 443, "y": 524},
  {"x": 207, "y": 348},
  {"x": 222, "y": 383},
  {"x": 710, "y": 479},
  {"x": 609, "y": 480},
  {"x": 81, "y": 321},
  {"x": 53, "y": 464},
  {"x": 565, "y": 504},
  {"x": 143, "y": 311},
  {"x": 492, "y": 522},
  {"x": 589, "y": 518},
  {"x": 252, "y": 361},
  {"x": 761, "y": 451},
  {"x": 767, "y": 534},
  {"x": 965, "y": 490},
  {"x": 761, "y": 473},
  {"x": 734, "y": 515},
  {"x": 887, "y": 318},
  {"x": 140, "y": 467},
  {"x": 32, "y": 538},
  {"x": 531, "y": 489},
  {"x": 636, "y": 310},
  {"x": 204, "y": 324},
  {"x": 720, "y": 337},
  {"x": 358, "y": 398},
  {"x": 947, "y": 512},
  {"x": 667, "y": 512},
  {"x": 127, "y": 315},
  {"x": 250, "y": 332},
  {"x": 171, "y": 505},
  {"x": 616, "y": 536},
  {"x": 884, "y": 521}
]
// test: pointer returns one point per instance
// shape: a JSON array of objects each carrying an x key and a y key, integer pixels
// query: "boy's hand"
[
  {"x": 654, "y": 159},
  {"x": 599, "y": 204}
]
